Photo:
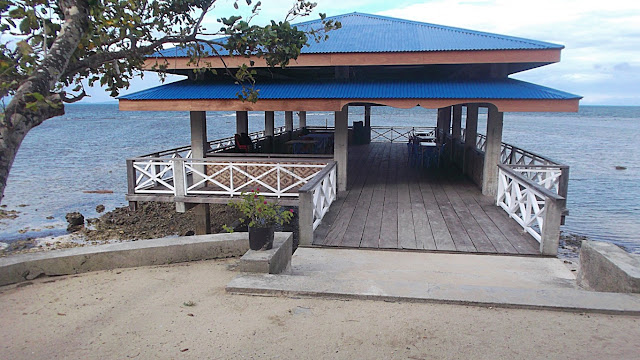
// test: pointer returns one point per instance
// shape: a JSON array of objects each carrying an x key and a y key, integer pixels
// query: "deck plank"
[
  {"x": 406, "y": 225},
  {"x": 335, "y": 235},
  {"x": 458, "y": 233},
  {"x": 441, "y": 234},
  {"x": 389, "y": 225},
  {"x": 476, "y": 234},
  {"x": 371, "y": 233},
  {"x": 320, "y": 234},
  {"x": 522, "y": 242},
  {"x": 353, "y": 235},
  {"x": 498, "y": 240},
  {"x": 392, "y": 205},
  {"x": 421, "y": 226}
]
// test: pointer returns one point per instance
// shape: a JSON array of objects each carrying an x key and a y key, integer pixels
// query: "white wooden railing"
[
  {"x": 534, "y": 204},
  {"x": 233, "y": 177},
  {"x": 397, "y": 133},
  {"x": 150, "y": 176},
  {"x": 315, "y": 199},
  {"x": 225, "y": 176},
  {"x": 540, "y": 169}
]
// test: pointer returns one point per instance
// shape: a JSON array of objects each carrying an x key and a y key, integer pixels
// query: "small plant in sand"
[
  {"x": 259, "y": 212},
  {"x": 189, "y": 303}
]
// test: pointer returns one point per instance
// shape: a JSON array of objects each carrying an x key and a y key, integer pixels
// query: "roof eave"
[
  {"x": 371, "y": 59},
  {"x": 504, "y": 105}
]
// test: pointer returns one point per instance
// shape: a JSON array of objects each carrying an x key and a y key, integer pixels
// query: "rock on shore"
[{"x": 154, "y": 220}]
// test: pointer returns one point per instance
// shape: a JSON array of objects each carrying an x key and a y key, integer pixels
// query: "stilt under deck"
[{"x": 392, "y": 205}]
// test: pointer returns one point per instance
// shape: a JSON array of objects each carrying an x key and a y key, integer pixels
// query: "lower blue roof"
[{"x": 488, "y": 89}]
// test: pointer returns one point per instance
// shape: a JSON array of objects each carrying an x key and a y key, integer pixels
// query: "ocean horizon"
[{"x": 85, "y": 150}]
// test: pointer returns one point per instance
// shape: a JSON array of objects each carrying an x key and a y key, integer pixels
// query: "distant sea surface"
[{"x": 86, "y": 149}]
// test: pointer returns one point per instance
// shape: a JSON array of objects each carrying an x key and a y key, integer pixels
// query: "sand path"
[{"x": 140, "y": 313}]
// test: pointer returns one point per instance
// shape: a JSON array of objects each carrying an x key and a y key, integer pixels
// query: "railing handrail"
[
  {"x": 535, "y": 186},
  {"x": 541, "y": 167},
  {"x": 317, "y": 180},
  {"x": 526, "y": 152}
]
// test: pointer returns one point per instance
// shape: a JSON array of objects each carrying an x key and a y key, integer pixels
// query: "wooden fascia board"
[
  {"x": 504, "y": 105},
  {"x": 372, "y": 59}
]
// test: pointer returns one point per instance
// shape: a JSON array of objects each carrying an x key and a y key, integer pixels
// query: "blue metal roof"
[
  {"x": 364, "y": 33},
  {"x": 489, "y": 89}
]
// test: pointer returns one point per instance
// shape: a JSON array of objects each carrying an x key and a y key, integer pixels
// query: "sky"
[{"x": 601, "y": 59}]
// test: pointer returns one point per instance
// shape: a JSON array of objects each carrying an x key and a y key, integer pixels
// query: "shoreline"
[{"x": 159, "y": 220}]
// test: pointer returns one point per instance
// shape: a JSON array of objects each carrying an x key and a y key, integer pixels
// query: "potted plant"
[{"x": 262, "y": 216}]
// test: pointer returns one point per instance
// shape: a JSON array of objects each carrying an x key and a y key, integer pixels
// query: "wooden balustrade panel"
[{"x": 244, "y": 173}]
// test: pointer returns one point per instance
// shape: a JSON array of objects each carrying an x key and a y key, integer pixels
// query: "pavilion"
[{"x": 371, "y": 61}]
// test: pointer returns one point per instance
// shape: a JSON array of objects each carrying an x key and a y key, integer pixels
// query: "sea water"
[{"x": 85, "y": 150}]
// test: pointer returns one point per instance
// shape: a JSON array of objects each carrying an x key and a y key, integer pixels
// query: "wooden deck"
[{"x": 391, "y": 205}]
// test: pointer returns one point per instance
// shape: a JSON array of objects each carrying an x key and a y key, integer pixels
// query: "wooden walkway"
[{"x": 391, "y": 205}]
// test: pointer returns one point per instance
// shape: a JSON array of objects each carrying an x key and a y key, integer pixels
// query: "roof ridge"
[{"x": 437, "y": 26}]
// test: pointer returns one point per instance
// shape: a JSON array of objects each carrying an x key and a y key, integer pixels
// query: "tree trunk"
[{"x": 18, "y": 118}]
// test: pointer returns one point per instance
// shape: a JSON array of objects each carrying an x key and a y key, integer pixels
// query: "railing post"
[
  {"x": 305, "y": 218},
  {"x": 563, "y": 187},
  {"x": 550, "y": 236},
  {"x": 563, "y": 182},
  {"x": 179, "y": 183},
  {"x": 131, "y": 184}
]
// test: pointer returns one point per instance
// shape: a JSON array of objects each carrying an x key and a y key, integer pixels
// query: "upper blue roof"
[
  {"x": 488, "y": 89},
  {"x": 365, "y": 33}
]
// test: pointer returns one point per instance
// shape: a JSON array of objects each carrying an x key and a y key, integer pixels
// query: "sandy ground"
[{"x": 142, "y": 313}]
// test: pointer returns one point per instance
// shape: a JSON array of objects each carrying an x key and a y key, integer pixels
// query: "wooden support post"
[
  {"x": 367, "y": 122},
  {"x": 302, "y": 119},
  {"x": 242, "y": 122},
  {"x": 305, "y": 218},
  {"x": 198, "y": 151},
  {"x": 471, "y": 132},
  {"x": 492, "y": 152},
  {"x": 341, "y": 146},
  {"x": 550, "y": 236},
  {"x": 288, "y": 120},
  {"x": 203, "y": 219},
  {"x": 131, "y": 184}
]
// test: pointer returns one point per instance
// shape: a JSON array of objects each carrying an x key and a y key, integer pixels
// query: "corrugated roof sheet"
[
  {"x": 490, "y": 89},
  {"x": 365, "y": 33}
]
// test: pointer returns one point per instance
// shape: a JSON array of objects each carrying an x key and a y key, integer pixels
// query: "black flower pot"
[{"x": 260, "y": 238}]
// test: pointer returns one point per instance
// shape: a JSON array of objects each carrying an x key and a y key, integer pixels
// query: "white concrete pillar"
[
  {"x": 455, "y": 132},
  {"x": 242, "y": 122},
  {"x": 341, "y": 146},
  {"x": 444, "y": 123},
  {"x": 492, "y": 152},
  {"x": 302, "y": 119},
  {"x": 269, "y": 120},
  {"x": 288, "y": 120},
  {"x": 367, "y": 122},
  {"x": 471, "y": 132},
  {"x": 457, "y": 123},
  {"x": 199, "y": 147},
  {"x": 367, "y": 115},
  {"x": 198, "y": 134}
]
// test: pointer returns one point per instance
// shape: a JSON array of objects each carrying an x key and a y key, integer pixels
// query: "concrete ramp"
[{"x": 501, "y": 281}]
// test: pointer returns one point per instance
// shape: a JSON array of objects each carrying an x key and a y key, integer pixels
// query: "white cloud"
[{"x": 598, "y": 37}]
